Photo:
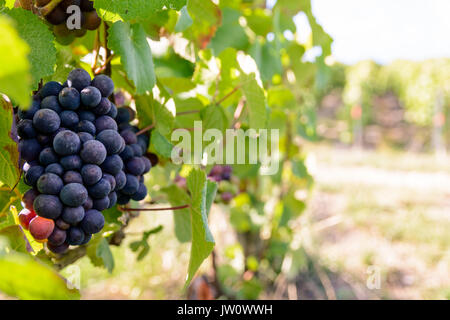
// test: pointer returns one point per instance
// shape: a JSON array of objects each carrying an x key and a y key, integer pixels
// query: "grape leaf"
[
  {"x": 100, "y": 254},
  {"x": 206, "y": 17},
  {"x": 31, "y": 280},
  {"x": 161, "y": 145},
  {"x": 202, "y": 239},
  {"x": 230, "y": 34},
  {"x": 256, "y": 101},
  {"x": 15, "y": 77},
  {"x": 40, "y": 39},
  {"x": 130, "y": 42},
  {"x": 184, "y": 21},
  {"x": 133, "y": 10},
  {"x": 182, "y": 218},
  {"x": 9, "y": 154}
]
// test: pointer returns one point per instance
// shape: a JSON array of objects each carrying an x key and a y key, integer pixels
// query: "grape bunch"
[
  {"x": 69, "y": 147},
  {"x": 222, "y": 175},
  {"x": 136, "y": 164},
  {"x": 58, "y": 18}
]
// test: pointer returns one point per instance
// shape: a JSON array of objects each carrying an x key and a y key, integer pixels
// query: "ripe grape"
[
  {"x": 48, "y": 156},
  {"x": 48, "y": 206},
  {"x": 93, "y": 222},
  {"x": 51, "y": 88},
  {"x": 90, "y": 97},
  {"x": 111, "y": 140},
  {"x": 69, "y": 98},
  {"x": 55, "y": 168},
  {"x": 73, "y": 215},
  {"x": 46, "y": 121},
  {"x": 104, "y": 84},
  {"x": 100, "y": 190},
  {"x": 26, "y": 130},
  {"x": 94, "y": 152},
  {"x": 66, "y": 143},
  {"x": 25, "y": 216},
  {"x": 49, "y": 183},
  {"x": 73, "y": 194},
  {"x": 72, "y": 177},
  {"x": 91, "y": 174},
  {"x": 72, "y": 162},
  {"x": 57, "y": 237},
  {"x": 41, "y": 228}
]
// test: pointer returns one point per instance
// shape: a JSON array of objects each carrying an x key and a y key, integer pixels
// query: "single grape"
[
  {"x": 141, "y": 193},
  {"x": 131, "y": 186},
  {"x": 93, "y": 222},
  {"x": 91, "y": 174},
  {"x": 28, "y": 198},
  {"x": 137, "y": 150},
  {"x": 121, "y": 180},
  {"x": 56, "y": 16},
  {"x": 84, "y": 136},
  {"x": 135, "y": 166},
  {"x": 49, "y": 183},
  {"x": 60, "y": 223},
  {"x": 48, "y": 156},
  {"x": 69, "y": 98},
  {"x": 123, "y": 115},
  {"x": 90, "y": 96},
  {"x": 104, "y": 123},
  {"x": 92, "y": 20},
  {"x": 25, "y": 216},
  {"x": 75, "y": 236},
  {"x": 73, "y": 215},
  {"x": 73, "y": 194},
  {"x": 112, "y": 164},
  {"x": 94, "y": 152},
  {"x": 72, "y": 162},
  {"x": 101, "y": 204},
  {"x": 46, "y": 121},
  {"x": 111, "y": 180},
  {"x": 69, "y": 119},
  {"x": 58, "y": 249},
  {"x": 129, "y": 136},
  {"x": 112, "y": 199},
  {"x": 72, "y": 177},
  {"x": 55, "y": 168},
  {"x": 87, "y": 115},
  {"x": 104, "y": 84},
  {"x": 66, "y": 143},
  {"x": 100, "y": 190},
  {"x": 86, "y": 126},
  {"x": 147, "y": 164},
  {"x": 41, "y": 228},
  {"x": 57, "y": 237},
  {"x": 32, "y": 175},
  {"x": 48, "y": 206},
  {"x": 113, "y": 112},
  {"x": 88, "y": 204},
  {"x": 127, "y": 153},
  {"x": 104, "y": 107},
  {"x": 25, "y": 129},
  {"x": 79, "y": 79},
  {"x": 51, "y": 102},
  {"x": 111, "y": 140},
  {"x": 51, "y": 88}
]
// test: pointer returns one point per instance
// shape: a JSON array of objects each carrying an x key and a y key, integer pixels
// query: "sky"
[{"x": 384, "y": 30}]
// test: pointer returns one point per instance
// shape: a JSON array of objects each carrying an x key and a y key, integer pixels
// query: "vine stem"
[
  {"x": 49, "y": 7},
  {"x": 148, "y": 128},
  {"x": 229, "y": 94},
  {"x": 158, "y": 209},
  {"x": 104, "y": 65},
  {"x": 187, "y": 112}
]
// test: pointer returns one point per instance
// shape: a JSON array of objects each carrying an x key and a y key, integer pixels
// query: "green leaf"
[
  {"x": 161, "y": 145},
  {"x": 178, "y": 85},
  {"x": 31, "y": 280},
  {"x": 214, "y": 117},
  {"x": 130, "y": 42},
  {"x": 135, "y": 10},
  {"x": 100, "y": 254},
  {"x": 182, "y": 218},
  {"x": 267, "y": 57},
  {"x": 202, "y": 239},
  {"x": 230, "y": 34},
  {"x": 206, "y": 17},
  {"x": 15, "y": 77},
  {"x": 184, "y": 21},
  {"x": 9, "y": 154},
  {"x": 40, "y": 40},
  {"x": 256, "y": 101},
  {"x": 211, "y": 191}
]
